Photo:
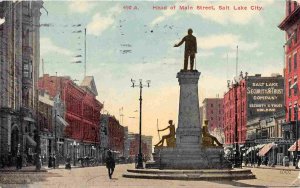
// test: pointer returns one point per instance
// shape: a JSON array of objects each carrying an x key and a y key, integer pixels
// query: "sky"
[{"x": 138, "y": 44}]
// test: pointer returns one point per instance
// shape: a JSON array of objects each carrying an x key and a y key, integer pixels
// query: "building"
[
  {"x": 248, "y": 98},
  {"x": 126, "y": 143},
  {"x": 201, "y": 114},
  {"x": 19, "y": 71},
  {"x": 82, "y": 112},
  {"x": 213, "y": 112},
  {"x": 52, "y": 126},
  {"x": 134, "y": 140},
  {"x": 265, "y": 138},
  {"x": 148, "y": 141},
  {"x": 291, "y": 26},
  {"x": 116, "y": 136}
]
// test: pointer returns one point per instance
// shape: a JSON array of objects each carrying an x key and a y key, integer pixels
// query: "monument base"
[{"x": 189, "y": 158}]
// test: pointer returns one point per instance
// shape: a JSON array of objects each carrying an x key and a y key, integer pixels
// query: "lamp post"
[
  {"x": 140, "y": 155},
  {"x": 236, "y": 137},
  {"x": 74, "y": 152}
]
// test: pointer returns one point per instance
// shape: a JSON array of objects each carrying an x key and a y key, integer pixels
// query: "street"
[{"x": 97, "y": 177}]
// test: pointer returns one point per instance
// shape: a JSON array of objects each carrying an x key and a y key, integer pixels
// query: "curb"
[{"x": 273, "y": 168}]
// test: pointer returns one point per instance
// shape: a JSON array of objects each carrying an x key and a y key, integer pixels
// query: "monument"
[
  {"x": 190, "y": 151},
  {"x": 195, "y": 153}
]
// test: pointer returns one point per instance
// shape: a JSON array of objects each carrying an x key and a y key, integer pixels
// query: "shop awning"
[
  {"x": 265, "y": 149},
  {"x": 62, "y": 121},
  {"x": 30, "y": 141},
  {"x": 293, "y": 147}
]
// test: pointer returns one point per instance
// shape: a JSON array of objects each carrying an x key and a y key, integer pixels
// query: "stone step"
[
  {"x": 198, "y": 177},
  {"x": 201, "y": 172}
]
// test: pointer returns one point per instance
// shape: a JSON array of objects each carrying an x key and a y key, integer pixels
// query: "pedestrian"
[
  {"x": 19, "y": 161},
  {"x": 110, "y": 164},
  {"x": 68, "y": 162},
  {"x": 50, "y": 161}
]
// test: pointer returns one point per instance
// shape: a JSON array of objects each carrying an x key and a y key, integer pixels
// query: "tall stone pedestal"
[
  {"x": 188, "y": 133},
  {"x": 189, "y": 153}
]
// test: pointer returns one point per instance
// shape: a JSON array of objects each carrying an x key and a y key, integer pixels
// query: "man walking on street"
[{"x": 110, "y": 164}]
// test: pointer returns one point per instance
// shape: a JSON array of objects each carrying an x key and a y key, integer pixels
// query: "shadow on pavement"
[
  {"x": 25, "y": 177},
  {"x": 237, "y": 184}
]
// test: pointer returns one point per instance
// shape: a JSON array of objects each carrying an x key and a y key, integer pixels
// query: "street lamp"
[
  {"x": 140, "y": 155},
  {"x": 74, "y": 144},
  {"x": 236, "y": 138}
]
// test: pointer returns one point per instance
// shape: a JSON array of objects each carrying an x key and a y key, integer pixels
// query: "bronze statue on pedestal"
[
  {"x": 190, "y": 49},
  {"x": 170, "y": 138},
  {"x": 207, "y": 139}
]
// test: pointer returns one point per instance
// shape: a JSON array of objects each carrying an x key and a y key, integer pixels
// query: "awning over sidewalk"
[
  {"x": 30, "y": 141},
  {"x": 254, "y": 148},
  {"x": 265, "y": 149},
  {"x": 293, "y": 147},
  {"x": 62, "y": 121}
]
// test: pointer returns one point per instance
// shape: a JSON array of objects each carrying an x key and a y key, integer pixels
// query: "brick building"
[
  {"x": 249, "y": 98},
  {"x": 213, "y": 111},
  {"x": 134, "y": 140},
  {"x": 82, "y": 111},
  {"x": 291, "y": 26},
  {"x": 116, "y": 135}
]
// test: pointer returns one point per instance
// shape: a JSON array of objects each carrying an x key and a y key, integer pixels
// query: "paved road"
[{"x": 97, "y": 177}]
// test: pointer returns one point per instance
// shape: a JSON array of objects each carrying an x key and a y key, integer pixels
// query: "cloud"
[
  {"x": 100, "y": 23},
  {"x": 80, "y": 6},
  {"x": 225, "y": 41},
  {"x": 47, "y": 46}
]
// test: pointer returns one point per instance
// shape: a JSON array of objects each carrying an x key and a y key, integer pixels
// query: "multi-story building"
[
  {"x": 213, "y": 112},
  {"x": 82, "y": 112},
  {"x": 148, "y": 141},
  {"x": 115, "y": 136},
  {"x": 19, "y": 71},
  {"x": 134, "y": 140},
  {"x": 248, "y": 98},
  {"x": 126, "y": 143},
  {"x": 265, "y": 138},
  {"x": 52, "y": 128},
  {"x": 291, "y": 26}
]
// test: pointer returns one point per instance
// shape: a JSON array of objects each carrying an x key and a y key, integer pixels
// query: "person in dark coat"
[{"x": 110, "y": 164}]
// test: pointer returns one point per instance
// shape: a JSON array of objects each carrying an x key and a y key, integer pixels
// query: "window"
[
  {"x": 295, "y": 88},
  {"x": 295, "y": 61},
  {"x": 290, "y": 64},
  {"x": 211, "y": 118},
  {"x": 296, "y": 35},
  {"x": 212, "y": 112},
  {"x": 290, "y": 113},
  {"x": 211, "y": 105},
  {"x": 290, "y": 84}
]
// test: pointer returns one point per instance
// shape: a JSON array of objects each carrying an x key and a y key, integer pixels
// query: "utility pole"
[
  {"x": 84, "y": 52},
  {"x": 140, "y": 155}
]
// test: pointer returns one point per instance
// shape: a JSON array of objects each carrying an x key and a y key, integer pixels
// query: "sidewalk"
[
  {"x": 290, "y": 168},
  {"x": 23, "y": 169}
]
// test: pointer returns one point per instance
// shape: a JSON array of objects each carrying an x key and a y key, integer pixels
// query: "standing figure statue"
[
  {"x": 170, "y": 138},
  {"x": 190, "y": 49}
]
